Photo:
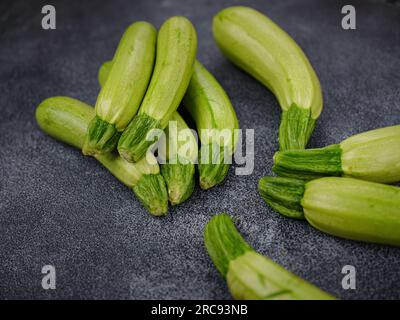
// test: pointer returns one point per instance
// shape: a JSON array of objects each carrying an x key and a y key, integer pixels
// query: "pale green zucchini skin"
[
  {"x": 176, "y": 53},
  {"x": 250, "y": 275},
  {"x": 373, "y": 155},
  {"x": 67, "y": 119},
  {"x": 122, "y": 93},
  {"x": 344, "y": 207},
  {"x": 211, "y": 109},
  {"x": 257, "y": 45},
  {"x": 178, "y": 175}
]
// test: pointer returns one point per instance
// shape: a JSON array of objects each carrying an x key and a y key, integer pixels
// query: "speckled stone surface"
[{"x": 60, "y": 208}]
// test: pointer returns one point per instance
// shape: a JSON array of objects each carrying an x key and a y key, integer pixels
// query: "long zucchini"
[
  {"x": 216, "y": 122},
  {"x": 373, "y": 155},
  {"x": 180, "y": 153},
  {"x": 250, "y": 275},
  {"x": 176, "y": 52},
  {"x": 344, "y": 207},
  {"x": 121, "y": 95},
  {"x": 67, "y": 119},
  {"x": 257, "y": 45}
]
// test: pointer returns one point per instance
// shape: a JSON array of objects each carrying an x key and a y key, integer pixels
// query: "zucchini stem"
[
  {"x": 283, "y": 195},
  {"x": 102, "y": 137},
  {"x": 309, "y": 164},
  {"x": 223, "y": 242},
  {"x": 295, "y": 128},
  {"x": 133, "y": 144}
]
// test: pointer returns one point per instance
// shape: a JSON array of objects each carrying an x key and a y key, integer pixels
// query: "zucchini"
[
  {"x": 121, "y": 95},
  {"x": 212, "y": 111},
  {"x": 67, "y": 119},
  {"x": 257, "y": 45},
  {"x": 373, "y": 155},
  {"x": 250, "y": 275},
  {"x": 179, "y": 153},
  {"x": 344, "y": 207},
  {"x": 176, "y": 52}
]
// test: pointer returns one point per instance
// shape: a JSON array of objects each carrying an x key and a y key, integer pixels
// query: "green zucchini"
[
  {"x": 257, "y": 45},
  {"x": 373, "y": 155},
  {"x": 121, "y": 95},
  {"x": 344, "y": 207},
  {"x": 180, "y": 153},
  {"x": 67, "y": 119},
  {"x": 212, "y": 111},
  {"x": 176, "y": 52},
  {"x": 250, "y": 275}
]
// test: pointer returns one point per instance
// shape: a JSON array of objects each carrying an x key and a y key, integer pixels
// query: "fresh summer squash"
[
  {"x": 257, "y": 45},
  {"x": 67, "y": 119},
  {"x": 373, "y": 155},
  {"x": 179, "y": 153},
  {"x": 344, "y": 207},
  {"x": 176, "y": 53},
  {"x": 216, "y": 123},
  {"x": 250, "y": 275},
  {"x": 122, "y": 93}
]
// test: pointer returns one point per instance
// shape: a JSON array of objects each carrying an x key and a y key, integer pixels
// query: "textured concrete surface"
[{"x": 59, "y": 208}]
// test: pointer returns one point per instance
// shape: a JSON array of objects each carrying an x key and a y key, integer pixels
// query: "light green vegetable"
[
  {"x": 344, "y": 207},
  {"x": 176, "y": 53},
  {"x": 67, "y": 119},
  {"x": 257, "y": 45},
  {"x": 373, "y": 155},
  {"x": 121, "y": 95},
  {"x": 213, "y": 114},
  {"x": 179, "y": 153},
  {"x": 250, "y": 275}
]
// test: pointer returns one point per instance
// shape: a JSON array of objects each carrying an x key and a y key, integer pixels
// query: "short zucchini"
[
  {"x": 373, "y": 155},
  {"x": 67, "y": 119},
  {"x": 257, "y": 45},
  {"x": 250, "y": 275},
  {"x": 121, "y": 95},
  {"x": 180, "y": 157},
  {"x": 176, "y": 53},
  {"x": 179, "y": 153},
  {"x": 344, "y": 207},
  {"x": 216, "y": 122}
]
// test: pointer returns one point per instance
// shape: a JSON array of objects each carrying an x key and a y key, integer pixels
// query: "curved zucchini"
[
  {"x": 373, "y": 155},
  {"x": 250, "y": 275},
  {"x": 176, "y": 51},
  {"x": 344, "y": 207},
  {"x": 213, "y": 113},
  {"x": 180, "y": 153},
  {"x": 257, "y": 45},
  {"x": 67, "y": 119},
  {"x": 121, "y": 95}
]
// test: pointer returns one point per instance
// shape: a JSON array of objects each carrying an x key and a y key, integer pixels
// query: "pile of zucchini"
[
  {"x": 354, "y": 204},
  {"x": 337, "y": 189},
  {"x": 150, "y": 75}
]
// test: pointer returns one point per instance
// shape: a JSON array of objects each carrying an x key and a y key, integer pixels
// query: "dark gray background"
[{"x": 58, "y": 207}]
